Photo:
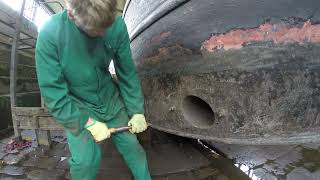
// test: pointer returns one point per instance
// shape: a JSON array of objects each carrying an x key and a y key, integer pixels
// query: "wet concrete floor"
[
  {"x": 169, "y": 157},
  {"x": 292, "y": 162}
]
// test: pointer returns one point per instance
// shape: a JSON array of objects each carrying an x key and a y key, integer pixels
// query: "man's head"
[{"x": 92, "y": 16}]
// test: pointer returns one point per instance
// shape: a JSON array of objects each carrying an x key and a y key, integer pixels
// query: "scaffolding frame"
[
  {"x": 13, "y": 66},
  {"x": 19, "y": 33}
]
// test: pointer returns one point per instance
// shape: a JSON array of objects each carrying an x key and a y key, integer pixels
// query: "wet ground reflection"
[{"x": 293, "y": 162}]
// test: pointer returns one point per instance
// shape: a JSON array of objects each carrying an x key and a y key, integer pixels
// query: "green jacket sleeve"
[
  {"x": 53, "y": 86},
  {"x": 129, "y": 84}
]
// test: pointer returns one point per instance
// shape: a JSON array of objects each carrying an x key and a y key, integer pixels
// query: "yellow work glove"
[
  {"x": 98, "y": 130},
  {"x": 138, "y": 123}
]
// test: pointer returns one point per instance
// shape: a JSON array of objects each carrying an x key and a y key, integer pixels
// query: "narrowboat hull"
[{"x": 237, "y": 72}]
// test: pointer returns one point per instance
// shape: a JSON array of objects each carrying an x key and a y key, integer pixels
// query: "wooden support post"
[
  {"x": 13, "y": 67},
  {"x": 42, "y": 102},
  {"x": 43, "y": 137}
]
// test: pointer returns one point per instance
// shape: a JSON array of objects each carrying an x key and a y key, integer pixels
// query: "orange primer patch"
[{"x": 278, "y": 33}]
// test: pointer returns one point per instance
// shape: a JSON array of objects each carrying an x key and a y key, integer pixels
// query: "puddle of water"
[
  {"x": 249, "y": 171},
  {"x": 274, "y": 162},
  {"x": 246, "y": 169},
  {"x": 225, "y": 164}
]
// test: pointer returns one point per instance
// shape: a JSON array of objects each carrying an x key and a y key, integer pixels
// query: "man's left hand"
[{"x": 138, "y": 123}]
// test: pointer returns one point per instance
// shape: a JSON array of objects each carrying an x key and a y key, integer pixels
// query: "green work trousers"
[{"x": 86, "y": 154}]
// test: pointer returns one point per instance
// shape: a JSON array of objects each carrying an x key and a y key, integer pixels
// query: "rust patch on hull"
[
  {"x": 158, "y": 38},
  {"x": 166, "y": 54},
  {"x": 278, "y": 33}
]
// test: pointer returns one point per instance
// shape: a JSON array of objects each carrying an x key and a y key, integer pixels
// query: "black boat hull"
[{"x": 244, "y": 72}]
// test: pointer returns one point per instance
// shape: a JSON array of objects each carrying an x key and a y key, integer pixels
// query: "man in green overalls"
[{"x": 74, "y": 49}]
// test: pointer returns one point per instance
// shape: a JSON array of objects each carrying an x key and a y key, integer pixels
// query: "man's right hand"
[{"x": 98, "y": 130}]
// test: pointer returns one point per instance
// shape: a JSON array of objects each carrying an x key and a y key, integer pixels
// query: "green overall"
[{"x": 74, "y": 80}]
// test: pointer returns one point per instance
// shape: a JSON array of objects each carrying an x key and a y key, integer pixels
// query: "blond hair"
[{"x": 92, "y": 14}]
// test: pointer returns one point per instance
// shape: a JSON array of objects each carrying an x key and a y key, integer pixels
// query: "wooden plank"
[
  {"x": 37, "y": 122},
  {"x": 48, "y": 123},
  {"x": 27, "y": 122},
  {"x": 6, "y": 14},
  {"x": 30, "y": 111},
  {"x": 24, "y": 85},
  {"x": 35, "y": 118}
]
